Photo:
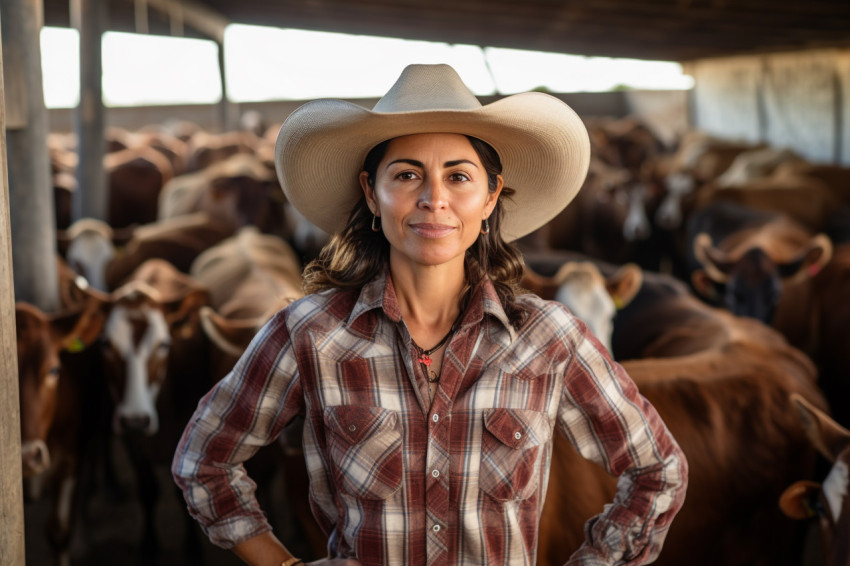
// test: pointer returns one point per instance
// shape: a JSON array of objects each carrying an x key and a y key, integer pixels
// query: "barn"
[{"x": 766, "y": 75}]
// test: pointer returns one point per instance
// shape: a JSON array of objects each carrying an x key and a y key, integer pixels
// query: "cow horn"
[
  {"x": 710, "y": 257},
  {"x": 820, "y": 252}
]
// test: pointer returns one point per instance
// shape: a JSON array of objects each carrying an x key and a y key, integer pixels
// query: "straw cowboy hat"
[{"x": 541, "y": 141}]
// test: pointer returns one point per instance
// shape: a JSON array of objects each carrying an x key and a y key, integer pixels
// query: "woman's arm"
[
  {"x": 613, "y": 425},
  {"x": 243, "y": 412}
]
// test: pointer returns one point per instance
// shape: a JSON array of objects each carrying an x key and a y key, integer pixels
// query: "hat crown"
[{"x": 427, "y": 87}]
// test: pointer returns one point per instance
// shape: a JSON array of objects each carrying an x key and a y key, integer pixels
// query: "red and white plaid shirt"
[{"x": 396, "y": 479}]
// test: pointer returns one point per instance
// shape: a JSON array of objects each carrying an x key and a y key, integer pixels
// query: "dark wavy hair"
[{"x": 356, "y": 255}]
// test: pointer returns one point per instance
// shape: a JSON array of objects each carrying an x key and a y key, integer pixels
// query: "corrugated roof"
[{"x": 678, "y": 30}]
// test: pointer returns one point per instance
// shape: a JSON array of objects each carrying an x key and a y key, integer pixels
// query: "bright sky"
[{"x": 263, "y": 63}]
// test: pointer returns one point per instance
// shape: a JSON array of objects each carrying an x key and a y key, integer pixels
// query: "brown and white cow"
[
  {"x": 590, "y": 296},
  {"x": 721, "y": 384},
  {"x": 56, "y": 408},
  {"x": 829, "y": 500},
  {"x": 155, "y": 363}
]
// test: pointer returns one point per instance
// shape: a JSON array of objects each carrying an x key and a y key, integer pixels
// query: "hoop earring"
[
  {"x": 375, "y": 226},
  {"x": 485, "y": 227}
]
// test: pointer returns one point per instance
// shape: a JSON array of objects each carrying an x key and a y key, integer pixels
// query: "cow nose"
[
  {"x": 35, "y": 457},
  {"x": 134, "y": 423}
]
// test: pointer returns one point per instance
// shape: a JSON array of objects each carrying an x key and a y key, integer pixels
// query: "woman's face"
[{"x": 431, "y": 195}]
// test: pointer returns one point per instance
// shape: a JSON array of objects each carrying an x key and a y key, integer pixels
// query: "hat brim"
[{"x": 542, "y": 143}]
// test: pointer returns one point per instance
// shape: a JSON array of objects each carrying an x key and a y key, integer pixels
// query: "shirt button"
[
  {"x": 517, "y": 435},
  {"x": 435, "y": 418},
  {"x": 352, "y": 428},
  {"x": 436, "y": 473},
  {"x": 436, "y": 528}
]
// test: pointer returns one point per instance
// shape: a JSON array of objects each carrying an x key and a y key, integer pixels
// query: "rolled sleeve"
[
  {"x": 243, "y": 412},
  {"x": 610, "y": 423}
]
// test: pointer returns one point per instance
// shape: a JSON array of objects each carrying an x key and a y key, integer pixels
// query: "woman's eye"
[
  {"x": 406, "y": 175},
  {"x": 459, "y": 177}
]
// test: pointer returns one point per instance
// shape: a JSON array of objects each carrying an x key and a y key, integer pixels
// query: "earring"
[
  {"x": 375, "y": 226},
  {"x": 485, "y": 227}
]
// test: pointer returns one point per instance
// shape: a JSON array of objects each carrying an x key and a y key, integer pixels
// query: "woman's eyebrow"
[{"x": 416, "y": 163}]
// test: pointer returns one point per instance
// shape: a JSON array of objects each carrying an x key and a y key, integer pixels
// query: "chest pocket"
[
  {"x": 365, "y": 450},
  {"x": 511, "y": 447}
]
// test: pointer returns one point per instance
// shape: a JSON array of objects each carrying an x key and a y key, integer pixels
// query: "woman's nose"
[{"x": 434, "y": 194}]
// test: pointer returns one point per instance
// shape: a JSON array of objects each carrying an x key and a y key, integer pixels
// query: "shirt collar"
[{"x": 380, "y": 294}]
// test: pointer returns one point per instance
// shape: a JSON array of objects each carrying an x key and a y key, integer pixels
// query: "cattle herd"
[{"x": 714, "y": 271}]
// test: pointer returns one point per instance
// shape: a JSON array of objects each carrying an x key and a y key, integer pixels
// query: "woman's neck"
[{"x": 428, "y": 297}]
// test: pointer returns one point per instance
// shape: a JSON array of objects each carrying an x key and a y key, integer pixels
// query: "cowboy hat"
[{"x": 541, "y": 141}]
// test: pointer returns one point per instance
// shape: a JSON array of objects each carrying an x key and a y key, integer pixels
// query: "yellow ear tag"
[
  {"x": 618, "y": 302},
  {"x": 75, "y": 345}
]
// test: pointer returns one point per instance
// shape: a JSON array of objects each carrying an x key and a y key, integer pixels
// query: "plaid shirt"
[{"x": 396, "y": 479}]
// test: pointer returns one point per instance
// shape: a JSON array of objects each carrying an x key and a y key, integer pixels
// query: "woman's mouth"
[{"x": 429, "y": 230}]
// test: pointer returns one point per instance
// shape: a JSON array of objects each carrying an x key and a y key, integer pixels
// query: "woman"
[{"x": 430, "y": 387}]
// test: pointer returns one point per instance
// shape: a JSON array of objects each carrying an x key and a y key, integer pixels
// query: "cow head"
[
  {"x": 40, "y": 340},
  {"x": 143, "y": 324},
  {"x": 591, "y": 297},
  {"x": 829, "y": 501},
  {"x": 750, "y": 283}
]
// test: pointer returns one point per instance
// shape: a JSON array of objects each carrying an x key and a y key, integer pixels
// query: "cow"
[
  {"x": 250, "y": 277},
  {"x": 591, "y": 297},
  {"x": 828, "y": 501},
  {"x": 742, "y": 258},
  {"x": 721, "y": 384},
  {"x": 178, "y": 240},
  {"x": 205, "y": 149},
  {"x": 57, "y": 409},
  {"x": 812, "y": 316},
  {"x": 135, "y": 176},
  {"x": 241, "y": 190},
  {"x": 154, "y": 357},
  {"x": 757, "y": 164}
]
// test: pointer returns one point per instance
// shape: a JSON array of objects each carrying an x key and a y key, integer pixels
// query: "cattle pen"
[{"x": 767, "y": 76}]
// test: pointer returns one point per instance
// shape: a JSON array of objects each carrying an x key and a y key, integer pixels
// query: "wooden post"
[
  {"x": 91, "y": 199},
  {"x": 33, "y": 220},
  {"x": 223, "y": 106},
  {"x": 11, "y": 490}
]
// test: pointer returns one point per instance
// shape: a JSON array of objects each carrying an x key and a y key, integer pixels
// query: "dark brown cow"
[
  {"x": 56, "y": 407},
  {"x": 135, "y": 176},
  {"x": 155, "y": 364},
  {"x": 721, "y": 384},
  {"x": 178, "y": 240},
  {"x": 829, "y": 501},
  {"x": 813, "y": 315},
  {"x": 743, "y": 258}
]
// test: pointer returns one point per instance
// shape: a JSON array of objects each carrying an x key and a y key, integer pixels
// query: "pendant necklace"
[{"x": 424, "y": 357}]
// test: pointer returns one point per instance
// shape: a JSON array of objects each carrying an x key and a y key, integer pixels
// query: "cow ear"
[
  {"x": 232, "y": 337},
  {"x": 185, "y": 309},
  {"x": 624, "y": 284},
  {"x": 811, "y": 261},
  {"x": 714, "y": 262},
  {"x": 77, "y": 329},
  {"x": 704, "y": 285},
  {"x": 798, "y": 500},
  {"x": 829, "y": 437},
  {"x": 544, "y": 287}
]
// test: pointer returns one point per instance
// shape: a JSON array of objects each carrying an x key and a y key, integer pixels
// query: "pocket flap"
[
  {"x": 356, "y": 423},
  {"x": 517, "y": 427}
]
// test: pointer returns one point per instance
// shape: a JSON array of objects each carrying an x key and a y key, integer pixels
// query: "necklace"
[{"x": 424, "y": 357}]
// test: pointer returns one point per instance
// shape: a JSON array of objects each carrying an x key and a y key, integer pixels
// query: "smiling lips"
[{"x": 429, "y": 230}]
